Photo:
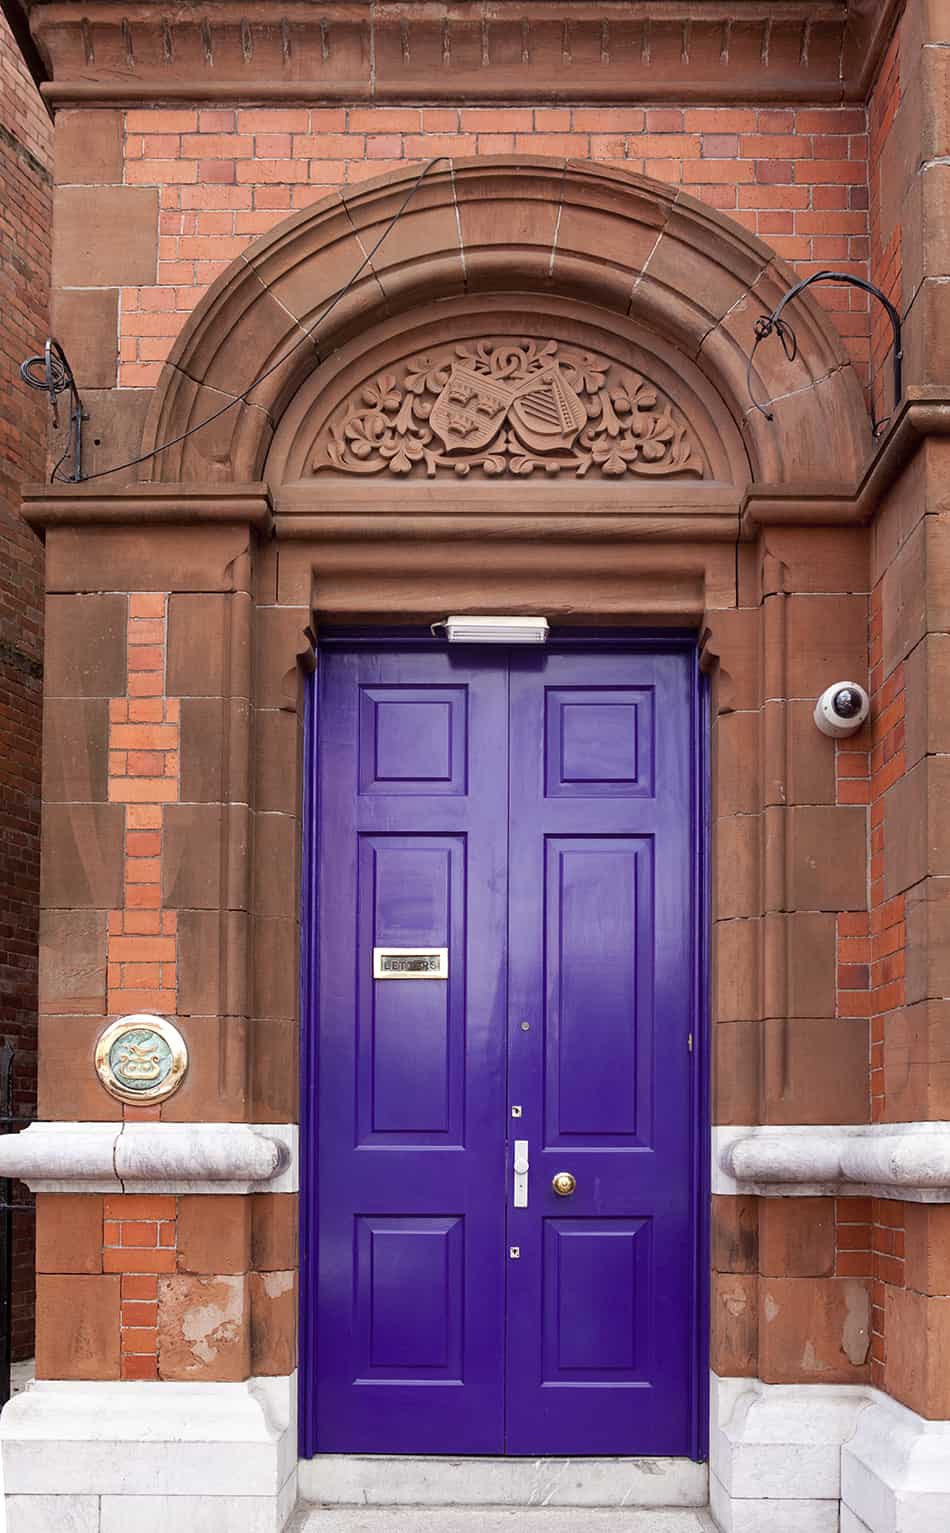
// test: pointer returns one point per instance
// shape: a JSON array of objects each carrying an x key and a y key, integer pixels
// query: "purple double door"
[{"x": 504, "y": 1251}]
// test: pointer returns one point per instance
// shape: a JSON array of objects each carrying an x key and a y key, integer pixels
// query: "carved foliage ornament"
[{"x": 503, "y": 406}]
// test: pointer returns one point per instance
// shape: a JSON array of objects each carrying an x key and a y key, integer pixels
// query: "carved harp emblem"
[{"x": 546, "y": 412}]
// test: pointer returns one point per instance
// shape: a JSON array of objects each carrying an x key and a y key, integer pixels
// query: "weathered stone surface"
[
  {"x": 215, "y": 750},
  {"x": 77, "y": 1327},
  {"x": 216, "y": 1088},
  {"x": 927, "y": 945},
  {"x": 917, "y": 1370},
  {"x": 798, "y": 761},
  {"x": 917, "y": 1063},
  {"x": 273, "y": 1322},
  {"x": 203, "y": 1328},
  {"x": 827, "y": 640},
  {"x": 797, "y": 1237},
  {"x": 105, "y": 236},
  {"x": 734, "y": 1234},
  {"x": 927, "y": 1248},
  {"x": 205, "y": 862},
  {"x": 82, "y": 857},
  {"x": 826, "y": 857},
  {"x": 927, "y": 686},
  {"x": 274, "y": 1218},
  {"x": 86, "y": 323},
  {"x": 208, "y": 645},
  {"x": 736, "y": 859},
  {"x": 75, "y": 749},
  {"x": 799, "y": 964},
  {"x": 147, "y": 558},
  {"x": 736, "y": 1072},
  {"x": 214, "y": 1234},
  {"x": 816, "y": 1070},
  {"x": 213, "y": 958},
  {"x": 737, "y": 993},
  {"x": 85, "y": 646},
  {"x": 68, "y": 1089},
  {"x": 88, "y": 147},
  {"x": 73, "y": 961},
  {"x": 734, "y": 1325},
  {"x": 69, "y": 1233},
  {"x": 813, "y": 1330}
]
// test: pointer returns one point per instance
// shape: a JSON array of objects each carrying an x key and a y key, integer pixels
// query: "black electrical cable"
[
  {"x": 774, "y": 324},
  {"x": 308, "y": 335}
]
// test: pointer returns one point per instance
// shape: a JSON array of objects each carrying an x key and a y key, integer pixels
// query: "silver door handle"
[{"x": 520, "y": 1199}]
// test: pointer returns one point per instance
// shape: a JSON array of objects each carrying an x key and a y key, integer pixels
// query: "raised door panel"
[
  {"x": 598, "y": 1022},
  {"x": 410, "y": 1283},
  {"x": 411, "y": 1034}
]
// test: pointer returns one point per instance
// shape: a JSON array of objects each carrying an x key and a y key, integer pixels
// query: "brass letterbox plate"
[{"x": 410, "y": 963}]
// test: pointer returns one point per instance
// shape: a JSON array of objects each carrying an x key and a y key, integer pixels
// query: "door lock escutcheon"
[
  {"x": 564, "y": 1183},
  {"x": 520, "y": 1198}
]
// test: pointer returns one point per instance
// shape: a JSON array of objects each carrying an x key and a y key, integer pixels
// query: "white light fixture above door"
[{"x": 493, "y": 630}]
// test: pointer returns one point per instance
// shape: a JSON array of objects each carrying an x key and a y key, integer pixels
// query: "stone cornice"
[
  {"x": 387, "y": 50},
  {"x": 924, "y": 412},
  {"x": 89, "y": 505}
]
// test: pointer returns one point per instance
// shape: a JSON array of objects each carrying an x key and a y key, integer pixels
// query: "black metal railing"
[{"x": 9, "y": 1123}]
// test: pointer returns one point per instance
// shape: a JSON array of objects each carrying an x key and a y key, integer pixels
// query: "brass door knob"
[{"x": 563, "y": 1183}]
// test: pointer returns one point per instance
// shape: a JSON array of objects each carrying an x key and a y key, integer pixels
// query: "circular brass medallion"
[{"x": 141, "y": 1058}]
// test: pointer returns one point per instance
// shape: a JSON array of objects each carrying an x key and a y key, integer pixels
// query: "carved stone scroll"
[{"x": 504, "y": 406}]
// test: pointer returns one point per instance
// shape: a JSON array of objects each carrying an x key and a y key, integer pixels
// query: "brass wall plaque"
[
  {"x": 410, "y": 963},
  {"x": 141, "y": 1058}
]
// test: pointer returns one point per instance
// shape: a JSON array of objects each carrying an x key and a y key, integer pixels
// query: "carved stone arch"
[{"x": 646, "y": 259}]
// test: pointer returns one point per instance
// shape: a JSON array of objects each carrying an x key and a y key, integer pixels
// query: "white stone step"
[
  {"x": 360, "y": 1480},
  {"x": 376, "y": 1519}
]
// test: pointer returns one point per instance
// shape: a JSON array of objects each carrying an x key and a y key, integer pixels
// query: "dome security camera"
[{"x": 841, "y": 709}]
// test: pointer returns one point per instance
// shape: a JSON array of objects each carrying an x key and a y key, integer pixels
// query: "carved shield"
[
  {"x": 547, "y": 414},
  {"x": 470, "y": 409}
]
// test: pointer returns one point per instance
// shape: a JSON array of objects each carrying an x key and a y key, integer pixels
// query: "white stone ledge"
[
  {"x": 143, "y": 1441},
  {"x": 906, "y": 1161},
  {"x": 824, "y": 1458},
  {"x": 153, "y": 1157},
  {"x": 895, "y": 1471}
]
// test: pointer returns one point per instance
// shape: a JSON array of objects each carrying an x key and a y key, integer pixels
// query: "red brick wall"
[
  {"x": 25, "y": 208},
  {"x": 797, "y": 178},
  {"x": 143, "y": 775}
]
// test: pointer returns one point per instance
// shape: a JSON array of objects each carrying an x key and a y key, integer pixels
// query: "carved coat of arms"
[
  {"x": 543, "y": 409},
  {"x": 509, "y": 406}
]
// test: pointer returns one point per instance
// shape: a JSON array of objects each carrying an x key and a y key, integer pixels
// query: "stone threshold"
[
  {"x": 388, "y": 1481},
  {"x": 501, "y": 1520}
]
